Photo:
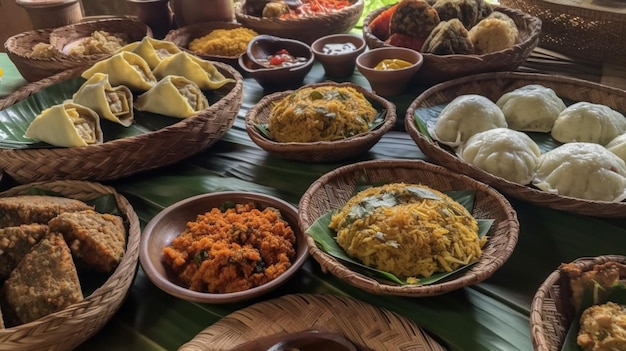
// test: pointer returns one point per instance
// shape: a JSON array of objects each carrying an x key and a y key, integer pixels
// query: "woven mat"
[{"x": 361, "y": 323}]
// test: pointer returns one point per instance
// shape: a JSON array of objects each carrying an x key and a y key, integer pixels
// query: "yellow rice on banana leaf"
[{"x": 409, "y": 230}]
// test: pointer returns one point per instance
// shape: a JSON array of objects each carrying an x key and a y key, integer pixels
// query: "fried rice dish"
[{"x": 409, "y": 230}]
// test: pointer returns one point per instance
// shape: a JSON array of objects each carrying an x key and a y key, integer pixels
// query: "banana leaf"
[
  {"x": 15, "y": 119},
  {"x": 325, "y": 239}
]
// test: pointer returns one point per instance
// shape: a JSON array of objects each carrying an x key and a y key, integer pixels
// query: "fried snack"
[
  {"x": 15, "y": 243},
  {"x": 605, "y": 275},
  {"x": 45, "y": 281},
  {"x": 603, "y": 328},
  {"x": 467, "y": 11},
  {"x": 415, "y": 18},
  {"x": 27, "y": 209},
  {"x": 97, "y": 240},
  {"x": 380, "y": 25},
  {"x": 448, "y": 37},
  {"x": 492, "y": 34}
]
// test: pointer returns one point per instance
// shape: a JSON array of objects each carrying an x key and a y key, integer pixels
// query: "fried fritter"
[
  {"x": 492, "y": 34},
  {"x": 605, "y": 275},
  {"x": 415, "y": 18},
  {"x": 27, "y": 209},
  {"x": 45, "y": 281},
  {"x": 467, "y": 11},
  {"x": 97, "y": 240},
  {"x": 603, "y": 328},
  {"x": 15, "y": 242},
  {"x": 449, "y": 37}
]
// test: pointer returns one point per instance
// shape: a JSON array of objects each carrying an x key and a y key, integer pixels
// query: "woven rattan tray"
[
  {"x": 306, "y": 29},
  {"x": 331, "y": 191},
  {"x": 439, "y": 68},
  {"x": 493, "y": 85},
  {"x": 320, "y": 151},
  {"x": 126, "y": 156},
  {"x": 552, "y": 312},
  {"x": 361, "y": 323},
  {"x": 66, "y": 329},
  {"x": 591, "y": 30}
]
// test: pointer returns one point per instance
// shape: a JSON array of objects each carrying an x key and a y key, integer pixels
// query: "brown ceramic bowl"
[
  {"x": 338, "y": 53},
  {"x": 389, "y": 82},
  {"x": 276, "y": 78},
  {"x": 170, "y": 222}
]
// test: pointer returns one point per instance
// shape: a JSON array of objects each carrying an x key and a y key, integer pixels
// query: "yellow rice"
[
  {"x": 409, "y": 230},
  {"x": 322, "y": 113}
]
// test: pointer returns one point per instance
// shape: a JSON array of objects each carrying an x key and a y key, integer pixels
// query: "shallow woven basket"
[
  {"x": 307, "y": 29},
  {"x": 331, "y": 191},
  {"x": 123, "y": 157},
  {"x": 66, "y": 329},
  {"x": 184, "y": 35},
  {"x": 551, "y": 312},
  {"x": 493, "y": 85},
  {"x": 321, "y": 151},
  {"x": 19, "y": 46},
  {"x": 589, "y": 30},
  {"x": 439, "y": 68},
  {"x": 361, "y": 323}
]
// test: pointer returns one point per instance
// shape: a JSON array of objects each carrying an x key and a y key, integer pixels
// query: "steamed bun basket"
[
  {"x": 332, "y": 190},
  {"x": 19, "y": 46},
  {"x": 306, "y": 29},
  {"x": 439, "y": 68},
  {"x": 126, "y": 156},
  {"x": 68, "y": 328},
  {"x": 493, "y": 85},
  {"x": 551, "y": 312}
]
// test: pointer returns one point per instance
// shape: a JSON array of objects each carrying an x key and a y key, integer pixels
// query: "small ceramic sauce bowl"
[
  {"x": 338, "y": 53},
  {"x": 286, "y": 75},
  {"x": 389, "y": 82}
]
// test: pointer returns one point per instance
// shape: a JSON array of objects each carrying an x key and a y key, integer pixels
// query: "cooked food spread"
[
  {"x": 409, "y": 230},
  {"x": 223, "y": 42},
  {"x": 236, "y": 249}
]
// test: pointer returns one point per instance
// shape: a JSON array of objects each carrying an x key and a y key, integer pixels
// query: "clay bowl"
[
  {"x": 338, "y": 53},
  {"x": 389, "y": 82}
]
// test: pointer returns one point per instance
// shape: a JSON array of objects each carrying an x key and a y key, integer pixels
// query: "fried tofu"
[
  {"x": 27, "y": 209},
  {"x": 45, "y": 281},
  {"x": 97, "y": 240},
  {"x": 15, "y": 243}
]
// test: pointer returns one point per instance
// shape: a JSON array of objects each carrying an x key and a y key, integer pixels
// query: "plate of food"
[
  {"x": 534, "y": 133},
  {"x": 149, "y": 105},
  {"x": 360, "y": 227}
]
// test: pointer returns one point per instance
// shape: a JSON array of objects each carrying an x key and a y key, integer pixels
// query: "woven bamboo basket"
[
  {"x": 66, "y": 329},
  {"x": 123, "y": 157},
  {"x": 588, "y": 30},
  {"x": 331, "y": 191},
  {"x": 439, "y": 68},
  {"x": 307, "y": 29},
  {"x": 270, "y": 321},
  {"x": 493, "y": 85},
  {"x": 552, "y": 312},
  {"x": 321, "y": 151},
  {"x": 184, "y": 35},
  {"x": 19, "y": 47}
]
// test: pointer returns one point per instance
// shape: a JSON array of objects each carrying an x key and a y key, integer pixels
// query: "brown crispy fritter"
[
  {"x": 467, "y": 11},
  {"x": 97, "y": 240},
  {"x": 15, "y": 242},
  {"x": 415, "y": 18},
  {"x": 605, "y": 275},
  {"x": 449, "y": 37},
  {"x": 27, "y": 209},
  {"x": 45, "y": 281}
]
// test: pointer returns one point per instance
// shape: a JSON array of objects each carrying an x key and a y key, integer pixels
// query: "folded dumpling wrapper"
[
  {"x": 199, "y": 71},
  {"x": 152, "y": 50},
  {"x": 112, "y": 103},
  {"x": 66, "y": 125},
  {"x": 124, "y": 68},
  {"x": 173, "y": 96}
]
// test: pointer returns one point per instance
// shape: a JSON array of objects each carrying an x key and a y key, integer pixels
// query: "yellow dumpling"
[
  {"x": 152, "y": 50},
  {"x": 199, "y": 71},
  {"x": 124, "y": 68},
  {"x": 66, "y": 125},
  {"x": 173, "y": 96},
  {"x": 114, "y": 104}
]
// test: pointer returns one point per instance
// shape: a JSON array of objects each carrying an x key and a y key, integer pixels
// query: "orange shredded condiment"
[{"x": 238, "y": 249}]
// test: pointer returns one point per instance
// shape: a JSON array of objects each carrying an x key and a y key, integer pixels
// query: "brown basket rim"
[
  {"x": 507, "y": 59},
  {"x": 320, "y": 150},
  {"x": 364, "y": 324},
  {"x": 347, "y": 11},
  {"x": 48, "y": 331},
  {"x": 541, "y": 335},
  {"x": 227, "y": 109},
  {"x": 493, "y": 257},
  {"x": 538, "y": 197}
]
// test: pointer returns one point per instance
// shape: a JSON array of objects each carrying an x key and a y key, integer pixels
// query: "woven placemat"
[{"x": 361, "y": 323}]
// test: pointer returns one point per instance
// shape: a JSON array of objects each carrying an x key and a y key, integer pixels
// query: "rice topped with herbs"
[{"x": 409, "y": 230}]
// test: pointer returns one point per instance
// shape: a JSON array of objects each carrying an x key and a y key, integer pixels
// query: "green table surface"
[{"x": 493, "y": 315}]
